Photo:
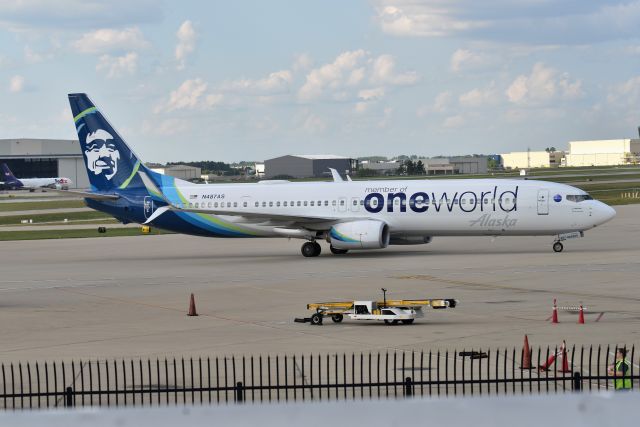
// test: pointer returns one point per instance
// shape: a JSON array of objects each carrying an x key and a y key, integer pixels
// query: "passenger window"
[
  {"x": 311, "y": 203},
  {"x": 299, "y": 203},
  {"x": 355, "y": 203},
  {"x": 305, "y": 203},
  {"x": 284, "y": 203},
  {"x": 361, "y": 202},
  {"x": 319, "y": 202},
  {"x": 341, "y": 202},
  {"x": 235, "y": 204},
  {"x": 333, "y": 203},
  {"x": 264, "y": 204},
  {"x": 209, "y": 204},
  {"x": 244, "y": 204},
  {"x": 190, "y": 205},
  {"x": 257, "y": 204},
  {"x": 270, "y": 204},
  {"x": 278, "y": 204},
  {"x": 215, "y": 205},
  {"x": 326, "y": 203},
  {"x": 292, "y": 203},
  {"x": 197, "y": 205}
]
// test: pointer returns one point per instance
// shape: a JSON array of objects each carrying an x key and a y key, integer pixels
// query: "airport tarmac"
[{"x": 128, "y": 296}]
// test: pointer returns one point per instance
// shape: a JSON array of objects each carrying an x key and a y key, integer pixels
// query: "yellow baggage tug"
[{"x": 391, "y": 312}]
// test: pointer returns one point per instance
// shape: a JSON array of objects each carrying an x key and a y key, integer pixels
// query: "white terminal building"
[{"x": 532, "y": 159}]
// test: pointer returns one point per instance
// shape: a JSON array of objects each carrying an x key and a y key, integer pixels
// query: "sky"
[{"x": 249, "y": 80}]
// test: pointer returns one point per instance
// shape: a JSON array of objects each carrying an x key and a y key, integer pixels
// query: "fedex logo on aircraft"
[{"x": 420, "y": 202}]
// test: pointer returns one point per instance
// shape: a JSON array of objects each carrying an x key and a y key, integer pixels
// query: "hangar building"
[
  {"x": 45, "y": 158},
  {"x": 308, "y": 166},
  {"x": 609, "y": 152},
  {"x": 185, "y": 172},
  {"x": 532, "y": 159}
]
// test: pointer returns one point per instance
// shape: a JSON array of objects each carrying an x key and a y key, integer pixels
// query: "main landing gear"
[
  {"x": 558, "y": 247},
  {"x": 310, "y": 249},
  {"x": 313, "y": 249}
]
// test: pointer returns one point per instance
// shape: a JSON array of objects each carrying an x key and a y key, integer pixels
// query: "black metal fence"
[{"x": 312, "y": 377}]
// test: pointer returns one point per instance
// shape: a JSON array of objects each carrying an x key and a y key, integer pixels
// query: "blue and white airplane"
[{"x": 346, "y": 214}]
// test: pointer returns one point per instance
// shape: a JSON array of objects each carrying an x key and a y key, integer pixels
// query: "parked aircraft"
[{"x": 10, "y": 182}]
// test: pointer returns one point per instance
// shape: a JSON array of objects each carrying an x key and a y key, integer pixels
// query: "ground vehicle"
[{"x": 391, "y": 312}]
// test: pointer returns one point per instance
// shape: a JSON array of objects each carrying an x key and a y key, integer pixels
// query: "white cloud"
[
  {"x": 314, "y": 124},
  {"x": 330, "y": 75},
  {"x": 453, "y": 121},
  {"x": 542, "y": 85},
  {"x": 167, "y": 127},
  {"x": 626, "y": 94},
  {"x": 16, "y": 84},
  {"x": 531, "y": 22},
  {"x": 302, "y": 62},
  {"x": 464, "y": 58},
  {"x": 186, "y": 43},
  {"x": 411, "y": 18},
  {"x": 342, "y": 79},
  {"x": 190, "y": 95},
  {"x": 32, "y": 57},
  {"x": 479, "y": 97},
  {"x": 117, "y": 66},
  {"x": 371, "y": 94},
  {"x": 276, "y": 82},
  {"x": 110, "y": 40},
  {"x": 384, "y": 72}
]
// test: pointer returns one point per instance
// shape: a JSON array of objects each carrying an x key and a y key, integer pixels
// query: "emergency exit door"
[{"x": 543, "y": 202}]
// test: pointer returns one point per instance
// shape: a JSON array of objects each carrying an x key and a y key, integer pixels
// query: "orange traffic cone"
[
  {"x": 526, "y": 354},
  {"x": 550, "y": 361},
  {"x": 565, "y": 359},
  {"x": 581, "y": 316},
  {"x": 192, "y": 307},
  {"x": 554, "y": 317}
]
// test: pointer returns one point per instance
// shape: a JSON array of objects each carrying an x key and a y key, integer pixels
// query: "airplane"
[
  {"x": 346, "y": 214},
  {"x": 12, "y": 183}
]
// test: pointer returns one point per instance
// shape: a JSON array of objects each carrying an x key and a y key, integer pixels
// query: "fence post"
[
  {"x": 68, "y": 398},
  {"x": 577, "y": 381},
  {"x": 408, "y": 387},
  {"x": 239, "y": 392}
]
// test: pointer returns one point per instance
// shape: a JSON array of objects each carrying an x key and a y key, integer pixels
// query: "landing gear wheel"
[
  {"x": 316, "y": 319},
  {"x": 558, "y": 247},
  {"x": 310, "y": 249},
  {"x": 337, "y": 318},
  {"x": 407, "y": 322},
  {"x": 337, "y": 251}
]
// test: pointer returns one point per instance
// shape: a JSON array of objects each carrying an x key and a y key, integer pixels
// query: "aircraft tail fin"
[
  {"x": 8, "y": 178},
  {"x": 110, "y": 163}
]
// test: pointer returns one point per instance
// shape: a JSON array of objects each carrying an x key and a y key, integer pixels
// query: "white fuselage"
[
  {"x": 411, "y": 208},
  {"x": 58, "y": 182}
]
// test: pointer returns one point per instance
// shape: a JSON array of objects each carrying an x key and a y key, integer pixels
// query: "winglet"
[{"x": 336, "y": 176}]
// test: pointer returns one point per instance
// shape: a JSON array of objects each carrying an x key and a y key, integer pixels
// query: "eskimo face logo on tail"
[{"x": 102, "y": 155}]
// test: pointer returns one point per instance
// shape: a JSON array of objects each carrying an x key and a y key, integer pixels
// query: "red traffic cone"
[
  {"x": 565, "y": 359},
  {"x": 581, "y": 316},
  {"x": 526, "y": 354},
  {"x": 554, "y": 317},
  {"x": 192, "y": 307}
]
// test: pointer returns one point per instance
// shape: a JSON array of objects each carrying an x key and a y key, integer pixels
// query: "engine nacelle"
[
  {"x": 364, "y": 234},
  {"x": 410, "y": 240}
]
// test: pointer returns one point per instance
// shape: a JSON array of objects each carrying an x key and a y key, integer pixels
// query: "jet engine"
[{"x": 363, "y": 234}]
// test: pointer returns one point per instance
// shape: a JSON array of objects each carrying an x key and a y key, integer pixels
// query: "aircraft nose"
[{"x": 604, "y": 213}]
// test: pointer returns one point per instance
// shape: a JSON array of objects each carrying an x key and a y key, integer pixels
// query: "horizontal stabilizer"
[{"x": 86, "y": 194}]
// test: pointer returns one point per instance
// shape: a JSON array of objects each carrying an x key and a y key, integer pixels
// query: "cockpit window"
[{"x": 578, "y": 197}]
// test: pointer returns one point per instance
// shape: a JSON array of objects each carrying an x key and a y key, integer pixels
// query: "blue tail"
[
  {"x": 110, "y": 163},
  {"x": 8, "y": 178}
]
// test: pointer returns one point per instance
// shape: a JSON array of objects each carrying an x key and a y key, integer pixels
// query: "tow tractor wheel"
[
  {"x": 337, "y": 318},
  {"x": 558, "y": 247},
  {"x": 390, "y": 322},
  {"x": 407, "y": 322},
  {"x": 316, "y": 319},
  {"x": 311, "y": 249},
  {"x": 337, "y": 251}
]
